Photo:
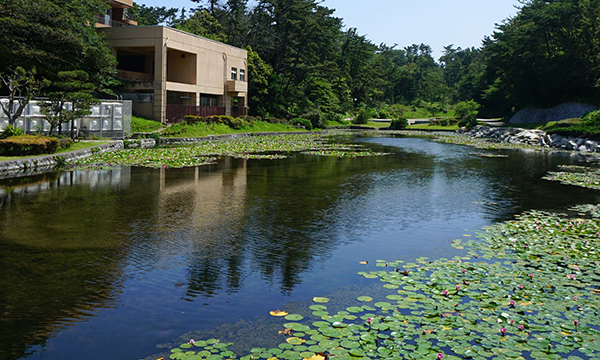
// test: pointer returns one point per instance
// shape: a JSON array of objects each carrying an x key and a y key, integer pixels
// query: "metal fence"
[{"x": 109, "y": 119}]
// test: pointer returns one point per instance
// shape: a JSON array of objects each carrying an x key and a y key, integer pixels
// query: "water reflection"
[{"x": 89, "y": 258}]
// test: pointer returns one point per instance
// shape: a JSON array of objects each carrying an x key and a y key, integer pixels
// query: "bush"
[
  {"x": 193, "y": 119},
  {"x": 316, "y": 119},
  {"x": 9, "y": 131},
  {"x": 465, "y": 108},
  {"x": 362, "y": 117},
  {"x": 237, "y": 123},
  {"x": 399, "y": 124},
  {"x": 384, "y": 114},
  {"x": 65, "y": 143},
  {"x": 301, "y": 122},
  {"x": 28, "y": 145},
  {"x": 334, "y": 117},
  {"x": 468, "y": 121},
  {"x": 591, "y": 118}
]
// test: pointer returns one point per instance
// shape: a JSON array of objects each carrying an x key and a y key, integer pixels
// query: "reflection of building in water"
[
  {"x": 210, "y": 209},
  {"x": 117, "y": 178}
]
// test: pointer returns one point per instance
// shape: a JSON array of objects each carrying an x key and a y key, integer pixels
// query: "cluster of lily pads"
[
  {"x": 526, "y": 289},
  {"x": 256, "y": 147},
  {"x": 576, "y": 175},
  {"x": 486, "y": 144}
]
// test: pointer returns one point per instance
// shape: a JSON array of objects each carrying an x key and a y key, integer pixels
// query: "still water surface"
[{"x": 111, "y": 264}]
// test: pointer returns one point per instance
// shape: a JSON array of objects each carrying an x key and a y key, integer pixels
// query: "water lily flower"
[
  {"x": 511, "y": 321},
  {"x": 512, "y": 303},
  {"x": 464, "y": 271},
  {"x": 369, "y": 321},
  {"x": 192, "y": 341},
  {"x": 440, "y": 356},
  {"x": 530, "y": 275},
  {"x": 457, "y": 287},
  {"x": 576, "y": 322},
  {"x": 520, "y": 286},
  {"x": 445, "y": 292},
  {"x": 575, "y": 298},
  {"x": 521, "y": 327},
  {"x": 571, "y": 276},
  {"x": 467, "y": 282},
  {"x": 503, "y": 331}
]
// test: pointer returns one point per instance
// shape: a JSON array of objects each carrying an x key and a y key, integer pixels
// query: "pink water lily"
[
  {"x": 440, "y": 356},
  {"x": 511, "y": 321},
  {"x": 512, "y": 303},
  {"x": 574, "y": 298},
  {"x": 369, "y": 321},
  {"x": 521, "y": 327},
  {"x": 503, "y": 331},
  {"x": 576, "y": 322},
  {"x": 445, "y": 292},
  {"x": 571, "y": 276},
  {"x": 520, "y": 286},
  {"x": 457, "y": 287},
  {"x": 192, "y": 341}
]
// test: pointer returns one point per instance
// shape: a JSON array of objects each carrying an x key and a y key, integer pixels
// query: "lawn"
[
  {"x": 203, "y": 129},
  {"x": 141, "y": 125},
  {"x": 432, "y": 127},
  {"x": 76, "y": 146}
]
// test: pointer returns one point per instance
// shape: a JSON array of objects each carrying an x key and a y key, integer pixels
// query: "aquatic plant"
[
  {"x": 528, "y": 288},
  {"x": 576, "y": 175}
]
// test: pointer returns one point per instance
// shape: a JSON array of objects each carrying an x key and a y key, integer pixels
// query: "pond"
[{"x": 120, "y": 263}]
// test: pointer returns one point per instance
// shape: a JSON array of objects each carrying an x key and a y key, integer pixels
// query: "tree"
[
  {"x": 547, "y": 54},
  {"x": 71, "y": 99},
  {"x": 22, "y": 86},
  {"x": 150, "y": 15},
  {"x": 53, "y": 36},
  {"x": 204, "y": 24}
]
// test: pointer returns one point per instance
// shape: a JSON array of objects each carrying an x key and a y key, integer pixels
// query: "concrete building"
[{"x": 169, "y": 73}]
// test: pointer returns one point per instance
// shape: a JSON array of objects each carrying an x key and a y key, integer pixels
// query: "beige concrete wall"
[{"x": 213, "y": 60}]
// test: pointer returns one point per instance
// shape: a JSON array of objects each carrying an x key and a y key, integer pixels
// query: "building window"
[
  {"x": 233, "y": 73},
  {"x": 242, "y": 75}
]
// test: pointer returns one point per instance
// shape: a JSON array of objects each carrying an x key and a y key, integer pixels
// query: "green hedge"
[{"x": 28, "y": 145}]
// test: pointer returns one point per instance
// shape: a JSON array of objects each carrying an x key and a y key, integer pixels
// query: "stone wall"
[{"x": 533, "y": 137}]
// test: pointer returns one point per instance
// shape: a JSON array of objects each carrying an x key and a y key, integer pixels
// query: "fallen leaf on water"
[{"x": 279, "y": 313}]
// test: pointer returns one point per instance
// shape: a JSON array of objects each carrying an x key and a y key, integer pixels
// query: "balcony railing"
[{"x": 107, "y": 21}]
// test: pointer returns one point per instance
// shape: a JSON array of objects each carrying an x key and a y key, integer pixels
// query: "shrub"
[
  {"x": 9, "y": 131},
  {"x": 362, "y": 117},
  {"x": 301, "y": 122},
  {"x": 237, "y": 123},
  {"x": 65, "y": 143},
  {"x": 468, "y": 121},
  {"x": 384, "y": 114},
  {"x": 465, "y": 108},
  {"x": 28, "y": 145},
  {"x": 193, "y": 119},
  {"x": 591, "y": 118},
  {"x": 334, "y": 117},
  {"x": 316, "y": 119},
  {"x": 399, "y": 124}
]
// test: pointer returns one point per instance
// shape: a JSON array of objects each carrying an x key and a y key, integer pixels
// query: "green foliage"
[
  {"x": 316, "y": 118},
  {"x": 204, "y": 24},
  {"x": 141, "y": 125},
  {"x": 65, "y": 143},
  {"x": 28, "y": 145},
  {"x": 301, "y": 122},
  {"x": 22, "y": 86},
  {"x": 151, "y": 16},
  {"x": 362, "y": 117},
  {"x": 53, "y": 36},
  {"x": 464, "y": 109},
  {"x": 592, "y": 118},
  {"x": 399, "y": 123},
  {"x": 9, "y": 131},
  {"x": 546, "y": 55}
]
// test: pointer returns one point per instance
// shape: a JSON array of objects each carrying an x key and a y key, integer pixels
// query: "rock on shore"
[{"x": 534, "y": 137}]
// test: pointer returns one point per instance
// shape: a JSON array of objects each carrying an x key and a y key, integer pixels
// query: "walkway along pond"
[{"x": 135, "y": 261}]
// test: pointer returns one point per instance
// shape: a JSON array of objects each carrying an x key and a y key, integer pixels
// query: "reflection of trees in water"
[{"x": 60, "y": 259}]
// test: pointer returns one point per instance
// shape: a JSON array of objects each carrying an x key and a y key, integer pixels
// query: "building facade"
[{"x": 169, "y": 73}]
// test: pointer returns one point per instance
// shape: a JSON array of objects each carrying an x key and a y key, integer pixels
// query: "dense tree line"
[{"x": 302, "y": 58}]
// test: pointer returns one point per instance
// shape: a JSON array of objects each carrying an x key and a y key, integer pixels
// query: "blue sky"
[{"x": 437, "y": 23}]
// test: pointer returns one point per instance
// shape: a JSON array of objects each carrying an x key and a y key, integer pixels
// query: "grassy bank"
[{"x": 141, "y": 125}]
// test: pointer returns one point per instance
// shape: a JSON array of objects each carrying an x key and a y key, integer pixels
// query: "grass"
[
  {"x": 202, "y": 129},
  {"x": 432, "y": 127},
  {"x": 76, "y": 146},
  {"x": 141, "y": 125}
]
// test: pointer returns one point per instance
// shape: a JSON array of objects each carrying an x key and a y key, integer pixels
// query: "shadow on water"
[{"x": 108, "y": 264}]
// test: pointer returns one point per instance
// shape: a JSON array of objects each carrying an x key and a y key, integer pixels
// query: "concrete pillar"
[{"x": 160, "y": 78}]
